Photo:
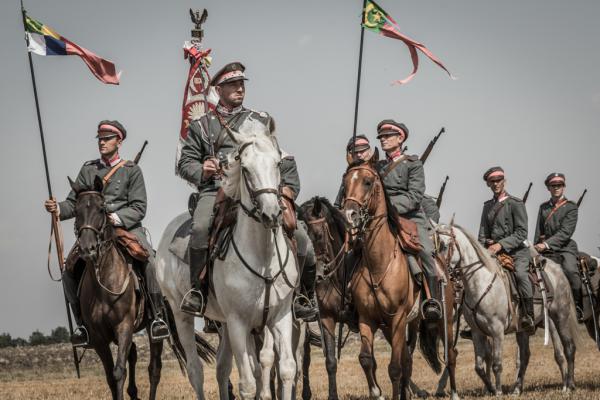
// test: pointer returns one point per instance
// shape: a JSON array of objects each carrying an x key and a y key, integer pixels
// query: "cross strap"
[
  {"x": 555, "y": 209},
  {"x": 113, "y": 170}
]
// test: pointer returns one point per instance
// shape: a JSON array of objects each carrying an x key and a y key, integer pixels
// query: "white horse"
[
  {"x": 253, "y": 284},
  {"x": 490, "y": 313}
]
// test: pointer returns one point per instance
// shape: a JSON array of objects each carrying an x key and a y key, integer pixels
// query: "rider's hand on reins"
[{"x": 209, "y": 168}]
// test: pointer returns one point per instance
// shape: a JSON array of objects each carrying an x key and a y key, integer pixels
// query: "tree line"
[{"x": 57, "y": 335}]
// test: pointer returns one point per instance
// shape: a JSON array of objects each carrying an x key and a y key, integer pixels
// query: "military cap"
[
  {"x": 229, "y": 73},
  {"x": 494, "y": 172},
  {"x": 107, "y": 129},
  {"x": 389, "y": 126},
  {"x": 361, "y": 143},
  {"x": 555, "y": 177}
]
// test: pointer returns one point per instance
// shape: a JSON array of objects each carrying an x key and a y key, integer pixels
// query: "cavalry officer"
[
  {"x": 356, "y": 149},
  {"x": 206, "y": 146},
  {"x": 557, "y": 219},
  {"x": 404, "y": 185},
  {"x": 503, "y": 229},
  {"x": 125, "y": 198}
]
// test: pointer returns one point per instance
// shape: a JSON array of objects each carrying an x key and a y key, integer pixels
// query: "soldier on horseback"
[
  {"x": 503, "y": 230},
  {"x": 357, "y": 148},
  {"x": 206, "y": 148},
  {"x": 557, "y": 219},
  {"x": 404, "y": 183},
  {"x": 125, "y": 194}
]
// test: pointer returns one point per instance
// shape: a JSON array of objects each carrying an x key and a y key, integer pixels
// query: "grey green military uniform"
[
  {"x": 556, "y": 229},
  {"x": 405, "y": 188},
  {"x": 505, "y": 222},
  {"x": 207, "y": 133}
]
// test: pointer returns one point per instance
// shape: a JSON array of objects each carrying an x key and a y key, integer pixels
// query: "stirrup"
[
  {"x": 158, "y": 322},
  {"x": 186, "y": 308},
  {"x": 86, "y": 343},
  {"x": 306, "y": 312},
  {"x": 427, "y": 304}
]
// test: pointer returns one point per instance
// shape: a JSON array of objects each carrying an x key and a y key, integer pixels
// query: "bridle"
[
  {"x": 98, "y": 231},
  {"x": 364, "y": 216},
  {"x": 331, "y": 262},
  {"x": 253, "y": 212}
]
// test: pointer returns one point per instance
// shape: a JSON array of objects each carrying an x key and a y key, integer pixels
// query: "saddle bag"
[
  {"x": 131, "y": 244},
  {"x": 224, "y": 212},
  {"x": 506, "y": 261},
  {"x": 409, "y": 236},
  {"x": 289, "y": 211}
]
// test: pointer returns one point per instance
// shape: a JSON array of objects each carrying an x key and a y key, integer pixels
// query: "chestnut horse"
[{"x": 382, "y": 287}]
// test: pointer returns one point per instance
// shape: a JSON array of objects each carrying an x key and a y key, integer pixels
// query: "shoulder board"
[
  {"x": 262, "y": 114},
  {"x": 413, "y": 157},
  {"x": 515, "y": 198},
  {"x": 129, "y": 163},
  {"x": 92, "y": 162},
  {"x": 288, "y": 157},
  {"x": 488, "y": 201},
  {"x": 571, "y": 202}
]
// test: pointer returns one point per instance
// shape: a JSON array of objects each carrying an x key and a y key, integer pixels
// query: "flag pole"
[
  {"x": 55, "y": 221},
  {"x": 360, "y": 54}
]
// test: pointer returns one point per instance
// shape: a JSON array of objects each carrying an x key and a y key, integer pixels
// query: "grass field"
[{"x": 46, "y": 372}]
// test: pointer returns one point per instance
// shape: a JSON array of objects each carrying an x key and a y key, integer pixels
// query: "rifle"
[
  {"x": 425, "y": 154},
  {"x": 581, "y": 198},
  {"x": 526, "y": 195},
  {"x": 136, "y": 160},
  {"x": 438, "y": 202}
]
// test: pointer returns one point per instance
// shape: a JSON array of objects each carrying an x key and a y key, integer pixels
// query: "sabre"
[
  {"x": 445, "y": 312},
  {"x": 538, "y": 273},
  {"x": 585, "y": 278}
]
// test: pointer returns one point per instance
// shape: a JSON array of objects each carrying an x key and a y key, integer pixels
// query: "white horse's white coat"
[{"x": 238, "y": 300}]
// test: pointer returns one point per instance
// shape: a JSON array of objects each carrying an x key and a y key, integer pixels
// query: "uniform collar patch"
[
  {"x": 111, "y": 162},
  {"x": 228, "y": 112}
]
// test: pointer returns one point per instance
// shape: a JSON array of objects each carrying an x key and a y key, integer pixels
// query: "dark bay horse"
[
  {"x": 112, "y": 309},
  {"x": 327, "y": 229},
  {"x": 383, "y": 289}
]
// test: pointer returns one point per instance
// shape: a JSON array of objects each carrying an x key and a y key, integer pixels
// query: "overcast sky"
[{"x": 527, "y": 98}]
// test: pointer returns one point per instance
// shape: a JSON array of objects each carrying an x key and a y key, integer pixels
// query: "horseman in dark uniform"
[
  {"x": 557, "y": 219},
  {"x": 125, "y": 198},
  {"x": 206, "y": 147},
  {"x": 405, "y": 188},
  {"x": 358, "y": 148},
  {"x": 503, "y": 229}
]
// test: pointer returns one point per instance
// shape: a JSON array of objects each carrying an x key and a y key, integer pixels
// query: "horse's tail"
[
  {"x": 429, "y": 339},
  {"x": 313, "y": 337},
  {"x": 205, "y": 350}
]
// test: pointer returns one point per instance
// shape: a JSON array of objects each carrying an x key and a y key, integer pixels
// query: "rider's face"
[
  {"x": 496, "y": 185},
  {"x": 392, "y": 142},
  {"x": 108, "y": 146},
  {"x": 232, "y": 93},
  {"x": 556, "y": 190}
]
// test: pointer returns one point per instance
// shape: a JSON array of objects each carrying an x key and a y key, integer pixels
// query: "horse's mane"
[{"x": 482, "y": 253}]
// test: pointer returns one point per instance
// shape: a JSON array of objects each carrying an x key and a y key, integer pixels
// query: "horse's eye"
[{"x": 368, "y": 183}]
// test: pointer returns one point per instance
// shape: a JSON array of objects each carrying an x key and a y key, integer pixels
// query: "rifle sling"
[
  {"x": 393, "y": 165},
  {"x": 555, "y": 209},
  {"x": 114, "y": 169}
]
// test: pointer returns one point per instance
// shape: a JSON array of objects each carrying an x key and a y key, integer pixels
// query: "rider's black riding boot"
[
  {"x": 80, "y": 337},
  {"x": 527, "y": 316},
  {"x": 306, "y": 309},
  {"x": 432, "y": 308},
  {"x": 159, "y": 329},
  {"x": 194, "y": 300},
  {"x": 578, "y": 304}
]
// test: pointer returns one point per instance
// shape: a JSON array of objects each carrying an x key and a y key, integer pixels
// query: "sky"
[{"x": 527, "y": 98}]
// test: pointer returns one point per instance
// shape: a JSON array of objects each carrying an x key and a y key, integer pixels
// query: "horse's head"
[
  {"x": 252, "y": 176},
  {"x": 90, "y": 218},
  {"x": 318, "y": 218},
  {"x": 364, "y": 195},
  {"x": 446, "y": 244}
]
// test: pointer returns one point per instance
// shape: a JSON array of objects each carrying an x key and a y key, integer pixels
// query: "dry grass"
[{"x": 45, "y": 373}]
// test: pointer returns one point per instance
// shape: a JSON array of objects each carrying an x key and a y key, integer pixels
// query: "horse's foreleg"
[
  {"x": 282, "y": 335},
  {"x": 522, "y": 361},
  {"x": 566, "y": 328},
  {"x": 497, "y": 347},
  {"x": 411, "y": 343},
  {"x": 124, "y": 340},
  {"x": 239, "y": 337},
  {"x": 266, "y": 358},
  {"x": 306, "y": 392},
  {"x": 132, "y": 360},
  {"x": 399, "y": 366},
  {"x": 107, "y": 362},
  {"x": 224, "y": 363},
  {"x": 327, "y": 326},
  {"x": 366, "y": 357},
  {"x": 155, "y": 366},
  {"x": 187, "y": 337},
  {"x": 559, "y": 354}
]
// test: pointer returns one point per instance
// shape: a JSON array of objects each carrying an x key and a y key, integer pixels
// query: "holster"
[
  {"x": 409, "y": 236},
  {"x": 131, "y": 244},
  {"x": 289, "y": 211}
]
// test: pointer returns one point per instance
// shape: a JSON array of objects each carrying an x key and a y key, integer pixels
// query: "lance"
[
  {"x": 581, "y": 198},
  {"x": 360, "y": 55},
  {"x": 438, "y": 202},
  {"x": 56, "y": 229},
  {"x": 432, "y": 143},
  {"x": 526, "y": 195}
]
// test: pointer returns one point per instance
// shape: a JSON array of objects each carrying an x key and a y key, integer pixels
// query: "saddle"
[{"x": 508, "y": 266}]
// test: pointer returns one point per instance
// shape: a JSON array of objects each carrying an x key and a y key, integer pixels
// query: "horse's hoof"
[
  {"x": 498, "y": 393},
  {"x": 516, "y": 391},
  {"x": 455, "y": 396},
  {"x": 441, "y": 393},
  {"x": 422, "y": 394}
]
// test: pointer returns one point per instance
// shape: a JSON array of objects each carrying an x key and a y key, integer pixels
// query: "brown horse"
[
  {"x": 112, "y": 309},
  {"x": 326, "y": 229},
  {"x": 383, "y": 289}
]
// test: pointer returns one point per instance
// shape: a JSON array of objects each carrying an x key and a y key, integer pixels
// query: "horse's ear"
[
  {"x": 73, "y": 184},
  {"x": 452, "y": 221},
  {"x": 317, "y": 207},
  {"x": 375, "y": 157},
  {"x": 434, "y": 224},
  {"x": 98, "y": 184}
]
